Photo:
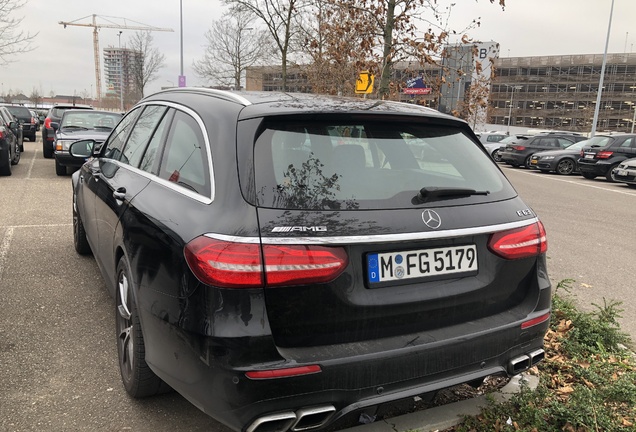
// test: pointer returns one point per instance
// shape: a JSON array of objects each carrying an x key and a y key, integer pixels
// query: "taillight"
[
  {"x": 519, "y": 147},
  {"x": 32, "y": 121},
  {"x": 283, "y": 373},
  {"x": 518, "y": 243},
  {"x": 604, "y": 154},
  {"x": 240, "y": 265},
  {"x": 47, "y": 123},
  {"x": 582, "y": 154},
  {"x": 535, "y": 321}
]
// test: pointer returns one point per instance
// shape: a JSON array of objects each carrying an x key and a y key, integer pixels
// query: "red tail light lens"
[
  {"x": 240, "y": 265},
  {"x": 519, "y": 147},
  {"x": 519, "y": 243},
  {"x": 283, "y": 373},
  {"x": 604, "y": 154},
  {"x": 47, "y": 123},
  {"x": 32, "y": 120},
  {"x": 535, "y": 321}
]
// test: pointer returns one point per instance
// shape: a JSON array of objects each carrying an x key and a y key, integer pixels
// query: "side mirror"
[
  {"x": 55, "y": 125},
  {"x": 82, "y": 148}
]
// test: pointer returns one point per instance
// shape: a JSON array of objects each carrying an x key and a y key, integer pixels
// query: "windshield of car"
[
  {"x": 370, "y": 165},
  {"x": 89, "y": 120}
]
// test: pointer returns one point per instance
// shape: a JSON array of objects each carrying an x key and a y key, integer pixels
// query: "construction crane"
[{"x": 109, "y": 24}]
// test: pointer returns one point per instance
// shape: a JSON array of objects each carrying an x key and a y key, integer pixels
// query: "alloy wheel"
[
  {"x": 125, "y": 338},
  {"x": 565, "y": 167}
]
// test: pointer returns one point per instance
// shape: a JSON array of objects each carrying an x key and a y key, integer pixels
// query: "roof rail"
[{"x": 223, "y": 94}]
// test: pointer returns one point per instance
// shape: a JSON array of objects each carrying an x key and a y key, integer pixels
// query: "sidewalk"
[{"x": 445, "y": 416}]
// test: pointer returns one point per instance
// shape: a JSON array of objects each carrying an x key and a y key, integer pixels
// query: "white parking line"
[
  {"x": 31, "y": 165},
  {"x": 549, "y": 177},
  {"x": 4, "y": 249}
]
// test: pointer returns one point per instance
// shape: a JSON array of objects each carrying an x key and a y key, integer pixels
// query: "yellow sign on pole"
[{"x": 364, "y": 83}]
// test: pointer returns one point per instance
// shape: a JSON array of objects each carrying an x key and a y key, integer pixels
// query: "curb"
[{"x": 446, "y": 416}]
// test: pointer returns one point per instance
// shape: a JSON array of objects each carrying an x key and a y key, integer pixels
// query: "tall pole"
[
  {"x": 633, "y": 118},
  {"x": 121, "y": 75},
  {"x": 512, "y": 96},
  {"x": 600, "y": 83},
  {"x": 182, "y": 80}
]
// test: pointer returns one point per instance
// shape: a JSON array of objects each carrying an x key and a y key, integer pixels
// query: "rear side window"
[
  {"x": 360, "y": 165},
  {"x": 185, "y": 160}
]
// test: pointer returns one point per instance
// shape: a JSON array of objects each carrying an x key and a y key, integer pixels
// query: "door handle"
[{"x": 120, "y": 194}]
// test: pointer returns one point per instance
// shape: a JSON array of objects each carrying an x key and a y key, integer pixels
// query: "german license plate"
[
  {"x": 423, "y": 263},
  {"x": 589, "y": 156}
]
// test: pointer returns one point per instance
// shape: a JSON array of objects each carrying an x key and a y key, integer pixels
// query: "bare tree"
[
  {"x": 281, "y": 20},
  {"x": 396, "y": 33},
  {"x": 233, "y": 45},
  {"x": 12, "y": 40},
  {"x": 36, "y": 96},
  {"x": 146, "y": 63}
]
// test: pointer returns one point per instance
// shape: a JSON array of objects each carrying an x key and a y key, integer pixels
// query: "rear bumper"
[
  {"x": 512, "y": 158},
  {"x": 210, "y": 372},
  {"x": 599, "y": 168}
]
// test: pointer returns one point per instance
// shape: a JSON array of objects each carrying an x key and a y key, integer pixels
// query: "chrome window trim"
[
  {"x": 170, "y": 185},
  {"x": 199, "y": 197},
  {"x": 383, "y": 238}
]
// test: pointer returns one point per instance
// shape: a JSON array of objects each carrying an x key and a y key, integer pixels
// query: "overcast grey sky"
[{"x": 63, "y": 61}]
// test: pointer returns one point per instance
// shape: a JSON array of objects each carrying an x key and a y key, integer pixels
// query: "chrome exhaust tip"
[
  {"x": 312, "y": 418},
  {"x": 280, "y": 422},
  {"x": 519, "y": 364},
  {"x": 536, "y": 356}
]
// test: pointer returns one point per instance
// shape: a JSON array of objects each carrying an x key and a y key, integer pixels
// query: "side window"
[
  {"x": 151, "y": 154},
  {"x": 185, "y": 160},
  {"x": 141, "y": 134},
  {"x": 563, "y": 143},
  {"x": 627, "y": 143},
  {"x": 117, "y": 138}
]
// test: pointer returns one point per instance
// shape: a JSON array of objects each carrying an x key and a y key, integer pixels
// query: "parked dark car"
[
  {"x": 564, "y": 161},
  {"x": 36, "y": 119},
  {"x": 283, "y": 260},
  {"x": 52, "y": 122},
  {"x": 601, "y": 161},
  {"x": 9, "y": 146},
  {"x": 495, "y": 148},
  {"x": 76, "y": 125},
  {"x": 27, "y": 121},
  {"x": 14, "y": 124},
  {"x": 518, "y": 154}
]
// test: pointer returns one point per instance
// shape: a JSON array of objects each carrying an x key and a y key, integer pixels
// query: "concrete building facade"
[{"x": 118, "y": 70}]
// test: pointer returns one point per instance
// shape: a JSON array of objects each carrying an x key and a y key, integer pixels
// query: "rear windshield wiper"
[
  {"x": 438, "y": 193},
  {"x": 74, "y": 127}
]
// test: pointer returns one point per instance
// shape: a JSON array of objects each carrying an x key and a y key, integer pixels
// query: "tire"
[
  {"x": 16, "y": 156},
  {"x": 588, "y": 176},
  {"x": 5, "y": 163},
  {"x": 59, "y": 169},
  {"x": 565, "y": 166},
  {"x": 526, "y": 163},
  {"x": 139, "y": 380},
  {"x": 79, "y": 233},
  {"x": 496, "y": 155},
  {"x": 609, "y": 175},
  {"x": 46, "y": 150}
]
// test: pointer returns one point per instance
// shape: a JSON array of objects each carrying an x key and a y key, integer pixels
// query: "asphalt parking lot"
[{"x": 58, "y": 358}]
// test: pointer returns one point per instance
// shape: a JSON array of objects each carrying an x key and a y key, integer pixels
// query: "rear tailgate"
[{"x": 408, "y": 282}]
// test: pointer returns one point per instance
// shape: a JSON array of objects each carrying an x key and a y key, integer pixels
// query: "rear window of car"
[
  {"x": 367, "y": 165},
  {"x": 20, "y": 112}
]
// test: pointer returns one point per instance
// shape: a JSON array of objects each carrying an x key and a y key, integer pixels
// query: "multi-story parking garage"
[
  {"x": 545, "y": 92},
  {"x": 559, "y": 92}
]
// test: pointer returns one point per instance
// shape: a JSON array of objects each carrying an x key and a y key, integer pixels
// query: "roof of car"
[{"x": 260, "y": 103}]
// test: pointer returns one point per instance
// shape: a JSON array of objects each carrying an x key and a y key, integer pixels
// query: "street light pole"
[
  {"x": 633, "y": 118},
  {"x": 121, "y": 75},
  {"x": 600, "y": 84},
  {"x": 512, "y": 96}
]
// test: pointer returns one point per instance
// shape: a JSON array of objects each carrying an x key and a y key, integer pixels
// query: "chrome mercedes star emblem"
[{"x": 431, "y": 219}]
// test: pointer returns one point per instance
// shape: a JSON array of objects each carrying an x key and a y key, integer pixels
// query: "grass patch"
[{"x": 587, "y": 381}]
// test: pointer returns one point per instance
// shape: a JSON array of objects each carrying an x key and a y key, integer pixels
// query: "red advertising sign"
[{"x": 416, "y": 90}]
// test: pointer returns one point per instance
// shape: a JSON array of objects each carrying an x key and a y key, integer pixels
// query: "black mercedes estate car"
[{"x": 285, "y": 260}]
